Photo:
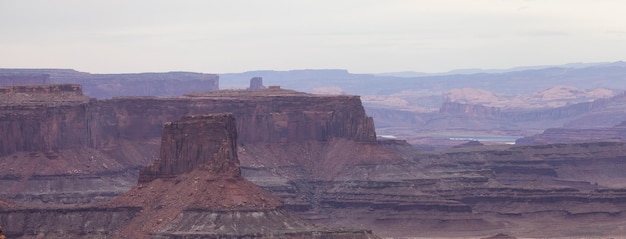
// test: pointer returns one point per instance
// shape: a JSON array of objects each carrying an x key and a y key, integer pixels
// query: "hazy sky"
[{"x": 363, "y": 36}]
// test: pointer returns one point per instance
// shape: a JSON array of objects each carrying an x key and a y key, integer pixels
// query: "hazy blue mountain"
[{"x": 580, "y": 75}]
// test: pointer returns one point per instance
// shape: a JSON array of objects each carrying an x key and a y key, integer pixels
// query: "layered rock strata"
[
  {"x": 320, "y": 156},
  {"x": 48, "y": 150},
  {"x": 194, "y": 191},
  {"x": 82, "y": 141},
  {"x": 186, "y": 146}
]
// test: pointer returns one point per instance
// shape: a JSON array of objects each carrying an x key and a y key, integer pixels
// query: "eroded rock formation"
[
  {"x": 43, "y": 118},
  {"x": 319, "y": 155},
  {"x": 114, "y": 138},
  {"x": 186, "y": 146},
  {"x": 256, "y": 83},
  {"x": 194, "y": 191}
]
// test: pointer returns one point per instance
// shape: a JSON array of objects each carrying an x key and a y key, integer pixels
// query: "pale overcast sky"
[{"x": 362, "y": 36}]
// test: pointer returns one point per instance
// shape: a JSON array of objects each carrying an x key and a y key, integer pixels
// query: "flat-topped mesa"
[
  {"x": 42, "y": 94},
  {"x": 43, "y": 118},
  {"x": 195, "y": 190},
  {"x": 280, "y": 116},
  {"x": 75, "y": 89},
  {"x": 114, "y": 85},
  {"x": 206, "y": 142},
  {"x": 11, "y": 79}
]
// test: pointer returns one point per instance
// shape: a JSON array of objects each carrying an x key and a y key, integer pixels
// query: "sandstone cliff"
[
  {"x": 256, "y": 83},
  {"x": 195, "y": 191},
  {"x": 319, "y": 155},
  {"x": 267, "y": 117},
  {"x": 43, "y": 118},
  {"x": 186, "y": 147},
  {"x": 198, "y": 174},
  {"x": 119, "y": 136}
]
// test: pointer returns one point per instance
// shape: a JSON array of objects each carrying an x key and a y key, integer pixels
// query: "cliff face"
[
  {"x": 261, "y": 118},
  {"x": 195, "y": 188},
  {"x": 194, "y": 191},
  {"x": 51, "y": 124},
  {"x": 319, "y": 155},
  {"x": 120, "y": 135},
  {"x": 43, "y": 118},
  {"x": 186, "y": 147}
]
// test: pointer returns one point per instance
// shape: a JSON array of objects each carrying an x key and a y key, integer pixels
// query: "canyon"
[
  {"x": 317, "y": 154},
  {"x": 194, "y": 190}
]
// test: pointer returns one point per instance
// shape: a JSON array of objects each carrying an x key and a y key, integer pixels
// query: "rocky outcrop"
[
  {"x": 256, "y": 83},
  {"x": 319, "y": 155},
  {"x": 273, "y": 116},
  {"x": 186, "y": 147},
  {"x": 43, "y": 118},
  {"x": 195, "y": 191},
  {"x": 119, "y": 136}
]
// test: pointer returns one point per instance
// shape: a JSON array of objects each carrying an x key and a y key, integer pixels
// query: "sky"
[{"x": 362, "y": 36}]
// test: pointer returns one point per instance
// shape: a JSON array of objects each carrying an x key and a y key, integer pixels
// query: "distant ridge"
[{"x": 412, "y": 74}]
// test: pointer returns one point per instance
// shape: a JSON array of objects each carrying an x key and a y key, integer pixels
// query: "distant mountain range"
[
  {"x": 411, "y": 74},
  {"x": 586, "y": 76}
]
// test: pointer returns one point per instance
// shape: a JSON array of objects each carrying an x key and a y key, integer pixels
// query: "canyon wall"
[
  {"x": 185, "y": 146},
  {"x": 116, "y": 137},
  {"x": 263, "y": 118},
  {"x": 43, "y": 118},
  {"x": 60, "y": 123},
  {"x": 319, "y": 155},
  {"x": 114, "y": 85},
  {"x": 194, "y": 191}
]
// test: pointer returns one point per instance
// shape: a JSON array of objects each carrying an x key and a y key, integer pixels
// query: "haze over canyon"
[{"x": 537, "y": 152}]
